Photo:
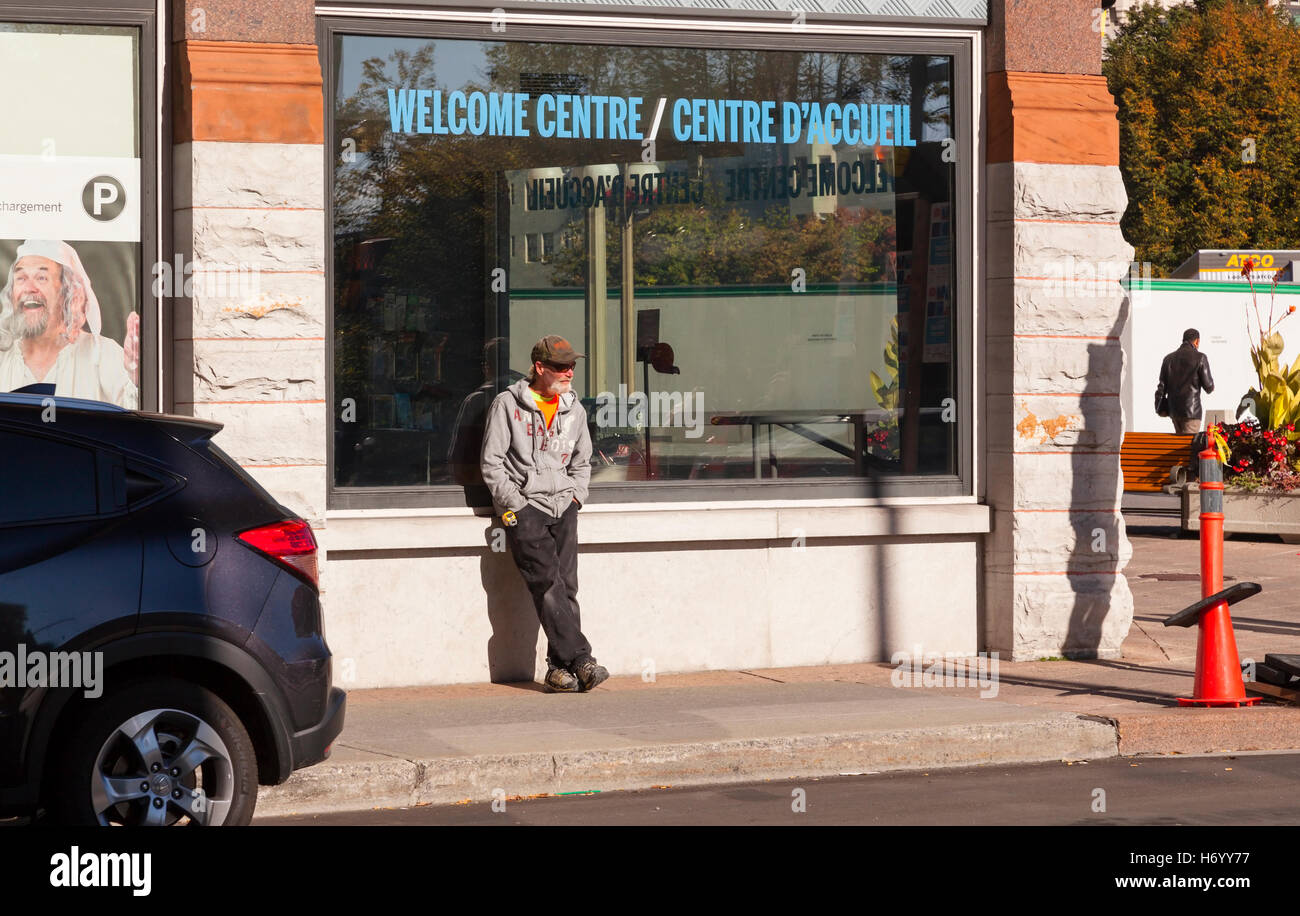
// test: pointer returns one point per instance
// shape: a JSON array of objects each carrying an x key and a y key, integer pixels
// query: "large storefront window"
[
  {"x": 754, "y": 248},
  {"x": 70, "y": 211}
]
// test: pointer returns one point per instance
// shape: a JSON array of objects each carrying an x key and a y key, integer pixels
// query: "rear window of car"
[{"x": 44, "y": 479}]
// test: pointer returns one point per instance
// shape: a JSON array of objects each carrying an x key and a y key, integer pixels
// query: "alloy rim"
[{"x": 161, "y": 768}]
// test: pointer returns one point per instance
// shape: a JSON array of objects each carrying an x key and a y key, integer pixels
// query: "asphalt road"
[{"x": 1240, "y": 789}]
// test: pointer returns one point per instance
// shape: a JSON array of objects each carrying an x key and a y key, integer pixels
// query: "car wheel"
[{"x": 159, "y": 753}]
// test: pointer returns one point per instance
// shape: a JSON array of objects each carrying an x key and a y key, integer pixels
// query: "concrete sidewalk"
[{"x": 441, "y": 745}]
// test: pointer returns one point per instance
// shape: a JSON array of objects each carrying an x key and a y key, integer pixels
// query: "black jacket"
[{"x": 1184, "y": 373}]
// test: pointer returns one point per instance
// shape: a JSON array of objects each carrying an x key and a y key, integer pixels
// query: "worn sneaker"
[
  {"x": 559, "y": 680},
  {"x": 591, "y": 674}
]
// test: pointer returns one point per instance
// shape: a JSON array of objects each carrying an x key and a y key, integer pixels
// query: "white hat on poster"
[{"x": 65, "y": 255}]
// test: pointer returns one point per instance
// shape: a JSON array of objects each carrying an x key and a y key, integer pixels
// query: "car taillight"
[{"x": 289, "y": 542}]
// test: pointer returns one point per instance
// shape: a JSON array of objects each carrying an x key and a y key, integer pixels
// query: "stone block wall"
[
  {"x": 248, "y": 212},
  {"x": 1053, "y": 421}
]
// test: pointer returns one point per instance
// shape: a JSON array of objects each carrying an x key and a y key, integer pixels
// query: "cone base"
[{"x": 1232, "y": 701}]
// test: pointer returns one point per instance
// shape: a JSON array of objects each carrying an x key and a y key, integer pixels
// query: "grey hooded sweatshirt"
[{"x": 524, "y": 463}]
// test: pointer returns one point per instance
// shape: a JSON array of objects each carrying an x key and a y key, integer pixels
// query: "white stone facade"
[
  {"x": 418, "y": 597},
  {"x": 249, "y": 341},
  {"x": 1053, "y": 423}
]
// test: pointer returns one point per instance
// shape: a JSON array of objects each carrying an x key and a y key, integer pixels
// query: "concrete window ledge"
[{"x": 638, "y": 523}]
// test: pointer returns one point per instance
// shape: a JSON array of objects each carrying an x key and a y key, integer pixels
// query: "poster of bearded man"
[{"x": 52, "y": 329}]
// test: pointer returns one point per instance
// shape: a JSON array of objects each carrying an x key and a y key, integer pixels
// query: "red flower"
[{"x": 1246, "y": 268}]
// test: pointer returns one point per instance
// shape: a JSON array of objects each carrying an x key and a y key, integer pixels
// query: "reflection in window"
[{"x": 772, "y": 309}]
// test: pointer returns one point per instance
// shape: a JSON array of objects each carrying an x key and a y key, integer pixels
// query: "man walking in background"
[
  {"x": 1184, "y": 374},
  {"x": 536, "y": 460}
]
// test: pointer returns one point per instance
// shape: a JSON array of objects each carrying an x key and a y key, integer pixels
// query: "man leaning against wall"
[{"x": 536, "y": 461}]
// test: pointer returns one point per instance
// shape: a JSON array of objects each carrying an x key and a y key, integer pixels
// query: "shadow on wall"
[
  {"x": 885, "y": 637},
  {"x": 1095, "y": 489},
  {"x": 512, "y": 647}
]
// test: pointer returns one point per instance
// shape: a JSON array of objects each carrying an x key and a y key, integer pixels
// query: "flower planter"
[{"x": 1257, "y": 512}]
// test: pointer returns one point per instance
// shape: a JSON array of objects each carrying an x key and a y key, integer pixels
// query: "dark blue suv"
[{"x": 161, "y": 645}]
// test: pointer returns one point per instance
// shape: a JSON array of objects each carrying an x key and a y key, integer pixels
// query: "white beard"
[{"x": 28, "y": 329}]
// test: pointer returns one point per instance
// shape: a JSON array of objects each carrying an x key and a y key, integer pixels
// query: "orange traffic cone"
[{"x": 1218, "y": 670}]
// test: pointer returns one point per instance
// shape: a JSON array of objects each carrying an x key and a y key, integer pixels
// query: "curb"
[
  {"x": 1262, "y": 728},
  {"x": 397, "y": 782}
]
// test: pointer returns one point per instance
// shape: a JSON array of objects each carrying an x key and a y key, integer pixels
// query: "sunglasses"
[{"x": 558, "y": 367}]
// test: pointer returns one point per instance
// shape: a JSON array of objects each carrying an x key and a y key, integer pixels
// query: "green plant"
[
  {"x": 1277, "y": 399},
  {"x": 883, "y": 434},
  {"x": 1261, "y": 458},
  {"x": 887, "y": 395},
  {"x": 1248, "y": 481}
]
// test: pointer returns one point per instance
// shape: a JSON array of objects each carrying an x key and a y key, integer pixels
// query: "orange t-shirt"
[{"x": 547, "y": 408}]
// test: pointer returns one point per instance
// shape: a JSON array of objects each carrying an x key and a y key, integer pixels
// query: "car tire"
[{"x": 161, "y": 752}]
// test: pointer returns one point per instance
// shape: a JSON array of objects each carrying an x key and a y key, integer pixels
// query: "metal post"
[{"x": 597, "y": 308}]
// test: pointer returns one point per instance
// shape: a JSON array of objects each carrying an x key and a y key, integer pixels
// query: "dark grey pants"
[
  {"x": 546, "y": 551},
  {"x": 1185, "y": 426}
]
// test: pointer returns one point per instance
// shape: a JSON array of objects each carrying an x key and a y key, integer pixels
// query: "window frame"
[
  {"x": 727, "y": 34},
  {"x": 155, "y": 223}
]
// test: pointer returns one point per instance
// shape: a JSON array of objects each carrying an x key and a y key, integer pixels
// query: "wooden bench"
[{"x": 1145, "y": 459}]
